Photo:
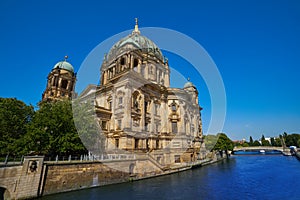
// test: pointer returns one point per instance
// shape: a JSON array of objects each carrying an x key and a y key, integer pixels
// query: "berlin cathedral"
[{"x": 135, "y": 106}]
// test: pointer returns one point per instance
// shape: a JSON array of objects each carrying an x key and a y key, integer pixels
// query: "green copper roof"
[
  {"x": 64, "y": 65},
  {"x": 139, "y": 42},
  {"x": 188, "y": 84}
]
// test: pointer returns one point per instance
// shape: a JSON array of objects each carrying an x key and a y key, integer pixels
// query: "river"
[{"x": 240, "y": 177}]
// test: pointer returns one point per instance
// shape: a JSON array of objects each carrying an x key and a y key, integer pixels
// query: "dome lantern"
[
  {"x": 188, "y": 84},
  {"x": 134, "y": 42}
]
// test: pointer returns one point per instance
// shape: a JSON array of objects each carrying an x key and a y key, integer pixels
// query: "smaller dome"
[
  {"x": 188, "y": 84},
  {"x": 64, "y": 65}
]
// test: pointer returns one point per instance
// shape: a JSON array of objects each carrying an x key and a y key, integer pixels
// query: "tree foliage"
[
  {"x": 52, "y": 130},
  {"x": 49, "y": 130},
  {"x": 292, "y": 139},
  {"x": 245, "y": 144},
  {"x": 256, "y": 143},
  {"x": 273, "y": 143},
  {"x": 88, "y": 127},
  {"x": 14, "y": 116},
  {"x": 210, "y": 141},
  {"x": 251, "y": 141},
  {"x": 223, "y": 143},
  {"x": 278, "y": 142},
  {"x": 264, "y": 142}
]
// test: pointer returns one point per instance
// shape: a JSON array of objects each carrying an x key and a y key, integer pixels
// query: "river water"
[{"x": 240, "y": 177}]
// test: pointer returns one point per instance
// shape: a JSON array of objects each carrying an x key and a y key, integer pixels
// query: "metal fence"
[{"x": 18, "y": 160}]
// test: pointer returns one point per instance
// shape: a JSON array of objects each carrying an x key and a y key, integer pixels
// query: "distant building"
[
  {"x": 268, "y": 139},
  {"x": 236, "y": 142}
]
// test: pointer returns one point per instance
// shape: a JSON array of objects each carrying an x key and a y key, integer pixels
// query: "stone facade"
[{"x": 138, "y": 111}]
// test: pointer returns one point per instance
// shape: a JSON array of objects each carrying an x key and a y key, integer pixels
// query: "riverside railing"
[
  {"x": 8, "y": 161},
  {"x": 91, "y": 158}
]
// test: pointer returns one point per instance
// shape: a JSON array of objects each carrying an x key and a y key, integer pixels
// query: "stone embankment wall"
[
  {"x": 68, "y": 176},
  {"x": 22, "y": 182},
  {"x": 37, "y": 178}
]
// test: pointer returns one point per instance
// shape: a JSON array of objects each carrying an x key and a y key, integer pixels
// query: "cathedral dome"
[
  {"x": 64, "y": 65},
  {"x": 134, "y": 41},
  {"x": 188, "y": 84}
]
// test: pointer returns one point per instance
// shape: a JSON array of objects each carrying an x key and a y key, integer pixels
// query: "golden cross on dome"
[{"x": 136, "y": 27}]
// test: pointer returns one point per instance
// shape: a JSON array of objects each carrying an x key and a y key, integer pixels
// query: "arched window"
[
  {"x": 64, "y": 84},
  {"x": 174, "y": 127},
  {"x": 117, "y": 142},
  {"x": 174, "y": 108},
  {"x": 135, "y": 62},
  {"x": 135, "y": 101}
]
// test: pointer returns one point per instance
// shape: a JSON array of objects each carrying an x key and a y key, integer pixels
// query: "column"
[
  {"x": 152, "y": 124},
  {"x": 182, "y": 124},
  {"x": 127, "y": 57},
  {"x": 52, "y": 80},
  {"x": 167, "y": 78},
  {"x": 146, "y": 71},
  {"x": 164, "y": 121},
  {"x": 127, "y": 109},
  {"x": 142, "y": 122},
  {"x": 113, "y": 71},
  {"x": 59, "y": 86},
  {"x": 139, "y": 66},
  {"x": 131, "y": 61},
  {"x": 104, "y": 77},
  {"x": 68, "y": 85}
]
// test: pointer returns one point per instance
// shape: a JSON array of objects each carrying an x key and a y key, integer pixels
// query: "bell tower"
[{"x": 61, "y": 82}]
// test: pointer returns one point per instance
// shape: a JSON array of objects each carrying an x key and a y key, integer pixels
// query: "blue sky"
[{"x": 255, "y": 45}]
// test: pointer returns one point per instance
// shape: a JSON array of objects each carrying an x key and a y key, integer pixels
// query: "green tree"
[
  {"x": 265, "y": 143},
  {"x": 14, "y": 116},
  {"x": 251, "y": 141},
  {"x": 256, "y": 143},
  {"x": 210, "y": 141},
  {"x": 52, "y": 130},
  {"x": 292, "y": 139},
  {"x": 273, "y": 143},
  {"x": 223, "y": 143},
  {"x": 284, "y": 135},
  {"x": 89, "y": 130},
  {"x": 245, "y": 144},
  {"x": 278, "y": 142}
]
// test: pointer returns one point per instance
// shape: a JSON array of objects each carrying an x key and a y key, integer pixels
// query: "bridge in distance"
[{"x": 258, "y": 148}]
